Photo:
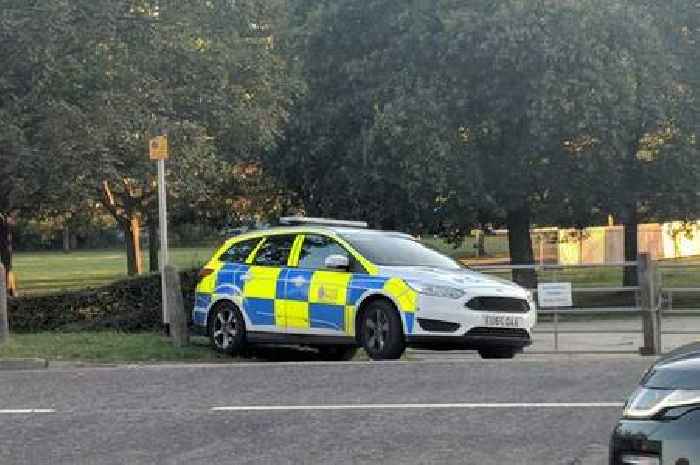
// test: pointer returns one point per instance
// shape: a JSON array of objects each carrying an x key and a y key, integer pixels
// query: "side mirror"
[{"x": 337, "y": 262}]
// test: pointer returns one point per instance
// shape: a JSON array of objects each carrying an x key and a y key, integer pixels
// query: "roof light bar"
[{"x": 300, "y": 220}]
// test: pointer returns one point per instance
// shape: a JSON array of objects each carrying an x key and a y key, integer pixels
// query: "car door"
[
  {"x": 263, "y": 284},
  {"x": 325, "y": 289}
]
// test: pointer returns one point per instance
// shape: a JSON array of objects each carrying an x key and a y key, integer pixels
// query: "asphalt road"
[{"x": 535, "y": 410}]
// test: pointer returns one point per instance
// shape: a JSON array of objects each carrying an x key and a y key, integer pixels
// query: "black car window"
[
  {"x": 240, "y": 251},
  {"x": 316, "y": 249},
  {"x": 275, "y": 251}
]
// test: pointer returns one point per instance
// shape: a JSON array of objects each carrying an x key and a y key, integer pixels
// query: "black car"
[{"x": 661, "y": 421}]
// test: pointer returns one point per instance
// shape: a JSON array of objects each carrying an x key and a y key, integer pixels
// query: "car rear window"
[
  {"x": 240, "y": 251},
  {"x": 275, "y": 251}
]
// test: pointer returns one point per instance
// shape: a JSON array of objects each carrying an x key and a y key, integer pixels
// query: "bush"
[{"x": 130, "y": 305}]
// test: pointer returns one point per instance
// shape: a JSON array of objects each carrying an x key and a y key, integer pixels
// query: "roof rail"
[{"x": 303, "y": 221}]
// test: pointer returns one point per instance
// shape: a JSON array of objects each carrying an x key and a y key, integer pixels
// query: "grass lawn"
[
  {"x": 45, "y": 272},
  {"x": 106, "y": 347},
  {"x": 114, "y": 347}
]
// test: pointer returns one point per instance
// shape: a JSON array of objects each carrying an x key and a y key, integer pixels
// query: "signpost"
[
  {"x": 555, "y": 296},
  {"x": 4, "y": 328},
  {"x": 159, "y": 151}
]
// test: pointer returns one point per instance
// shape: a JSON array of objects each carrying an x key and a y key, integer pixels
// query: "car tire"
[
  {"x": 388, "y": 342},
  {"x": 498, "y": 354},
  {"x": 337, "y": 353},
  {"x": 227, "y": 332}
]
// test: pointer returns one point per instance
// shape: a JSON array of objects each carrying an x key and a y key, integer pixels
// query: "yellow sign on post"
[{"x": 159, "y": 148}]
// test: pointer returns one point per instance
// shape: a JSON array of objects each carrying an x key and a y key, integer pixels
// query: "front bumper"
[
  {"x": 674, "y": 442},
  {"x": 475, "y": 339},
  {"x": 449, "y": 324}
]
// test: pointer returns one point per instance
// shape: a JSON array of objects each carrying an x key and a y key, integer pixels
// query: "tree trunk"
[
  {"x": 66, "y": 239},
  {"x": 631, "y": 223},
  {"x": 6, "y": 223},
  {"x": 153, "y": 243},
  {"x": 132, "y": 235},
  {"x": 480, "y": 243},
  {"x": 520, "y": 246}
]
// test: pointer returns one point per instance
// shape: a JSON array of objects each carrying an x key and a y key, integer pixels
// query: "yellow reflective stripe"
[
  {"x": 208, "y": 284},
  {"x": 252, "y": 255},
  {"x": 350, "y": 320},
  {"x": 293, "y": 260},
  {"x": 329, "y": 287},
  {"x": 280, "y": 314},
  {"x": 406, "y": 298},
  {"x": 220, "y": 251},
  {"x": 296, "y": 313},
  {"x": 261, "y": 282}
]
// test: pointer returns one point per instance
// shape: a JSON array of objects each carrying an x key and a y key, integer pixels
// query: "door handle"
[{"x": 298, "y": 281}]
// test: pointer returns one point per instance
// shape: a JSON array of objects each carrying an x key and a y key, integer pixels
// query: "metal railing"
[
  {"x": 655, "y": 302},
  {"x": 666, "y": 307},
  {"x": 642, "y": 307}
]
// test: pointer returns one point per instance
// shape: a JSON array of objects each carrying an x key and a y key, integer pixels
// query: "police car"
[{"x": 338, "y": 286}]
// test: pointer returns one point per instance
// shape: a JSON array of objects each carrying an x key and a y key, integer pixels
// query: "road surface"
[{"x": 535, "y": 410}]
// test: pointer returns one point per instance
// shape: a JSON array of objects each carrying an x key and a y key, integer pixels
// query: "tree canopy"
[{"x": 421, "y": 115}]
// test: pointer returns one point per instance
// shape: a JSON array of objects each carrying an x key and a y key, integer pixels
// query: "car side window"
[
  {"x": 275, "y": 251},
  {"x": 240, "y": 251},
  {"x": 316, "y": 249}
]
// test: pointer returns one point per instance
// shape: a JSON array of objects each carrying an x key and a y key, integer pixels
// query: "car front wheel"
[
  {"x": 382, "y": 332},
  {"x": 227, "y": 329}
]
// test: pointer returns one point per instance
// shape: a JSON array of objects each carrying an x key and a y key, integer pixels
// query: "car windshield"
[{"x": 386, "y": 250}]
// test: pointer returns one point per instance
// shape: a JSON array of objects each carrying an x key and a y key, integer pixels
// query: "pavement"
[
  {"x": 442, "y": 409},
  {"x": 618, "y": 335}
]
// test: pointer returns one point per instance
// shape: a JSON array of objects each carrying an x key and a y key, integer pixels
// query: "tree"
[
  {"x": 368, "y": 139},
  {"x": 546, "y": 88},
  {"x": 115, "y": 72}
]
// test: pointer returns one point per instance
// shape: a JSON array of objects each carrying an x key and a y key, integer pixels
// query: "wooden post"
[
  {"x": 645, "y": 276},
  {"x": 4, "y": 327},
  {"x": 175, "y": 307}
]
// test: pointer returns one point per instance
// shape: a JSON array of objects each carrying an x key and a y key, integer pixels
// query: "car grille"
[
  {"x": 438, "y": 326},
  {"x": 498, "y": 304},
  {"x": 499, "y": 332}
]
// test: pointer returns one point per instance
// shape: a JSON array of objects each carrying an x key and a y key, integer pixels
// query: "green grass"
[
  {"x": 46, "y": 272},
  {"x": 105, "y": 347},
  {"x": 115, "y": 347}
]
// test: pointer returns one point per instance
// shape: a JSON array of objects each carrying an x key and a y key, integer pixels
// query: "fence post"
[
  {"x": 4, "y": 327},
  {"x": 647, "y": 291},
  {"x": 175, "y": 307}
]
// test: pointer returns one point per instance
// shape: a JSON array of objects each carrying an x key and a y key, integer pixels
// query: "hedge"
[{"x": 130, "y": 305}]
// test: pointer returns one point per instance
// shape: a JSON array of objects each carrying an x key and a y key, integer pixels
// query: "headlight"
[
  {"x": 647, "y": 403},
  {"x": 631, "y": 459},
  {"x": 436, "y": 291}
]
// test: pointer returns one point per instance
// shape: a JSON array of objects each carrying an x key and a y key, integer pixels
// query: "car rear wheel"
[
  {"x": 337, "y": 353},
  {"x": 227, "y": 329},
  {"x": 382, "y": 332},
  {"x": 499, "y": 353}
]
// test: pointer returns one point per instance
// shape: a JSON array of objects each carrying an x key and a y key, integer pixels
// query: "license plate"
[{"x": 501, "y": 321}]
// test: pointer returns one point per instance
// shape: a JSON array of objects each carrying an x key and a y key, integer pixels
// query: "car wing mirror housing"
[{"x": 337, "y": 262}]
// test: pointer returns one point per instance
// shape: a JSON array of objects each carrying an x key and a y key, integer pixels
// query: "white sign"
[{"x": 551, "y": 295}]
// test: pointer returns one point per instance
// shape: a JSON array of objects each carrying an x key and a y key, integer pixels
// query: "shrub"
[{"x": 130, "y": 305}]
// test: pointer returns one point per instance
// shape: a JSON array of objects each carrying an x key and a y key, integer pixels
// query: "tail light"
[{"x": 204, "y": 272}]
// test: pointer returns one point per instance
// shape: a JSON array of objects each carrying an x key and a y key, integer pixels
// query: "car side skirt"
[{"x": 261, "y": 337}]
